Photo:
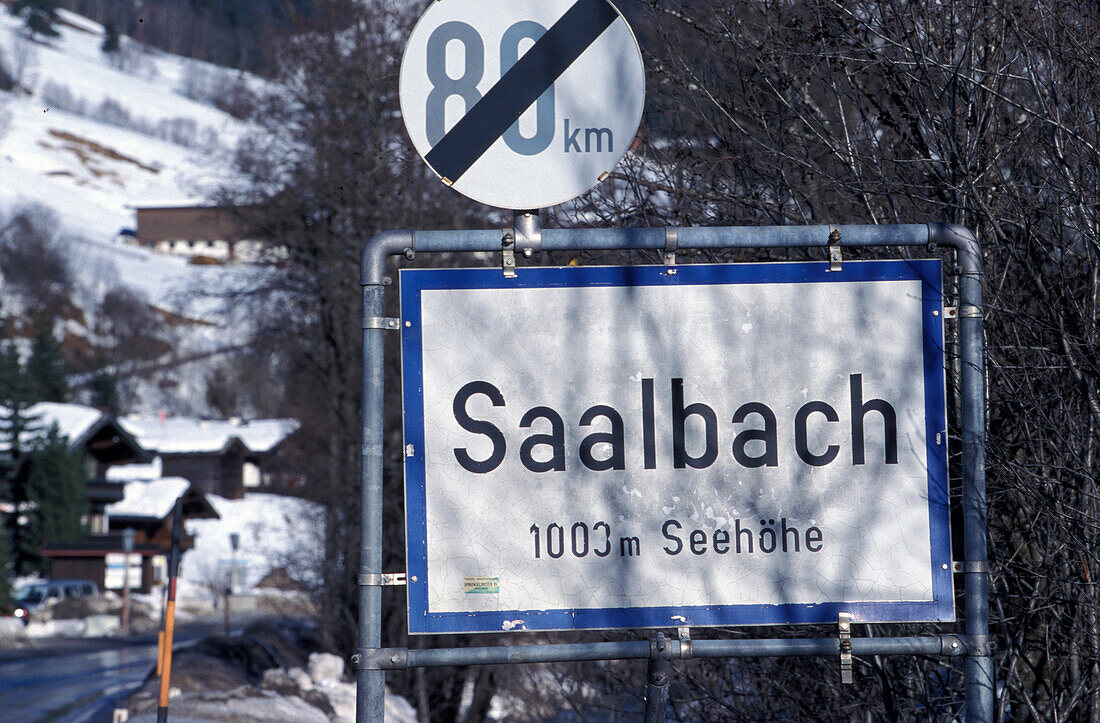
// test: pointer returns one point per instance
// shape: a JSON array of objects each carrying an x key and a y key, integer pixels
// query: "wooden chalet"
[
  {"x": 146, "y": 508},
  {"x": 222, "y": 457},
  {"x": 101, "y": 442},
  {"x": 217, "y": 232}
]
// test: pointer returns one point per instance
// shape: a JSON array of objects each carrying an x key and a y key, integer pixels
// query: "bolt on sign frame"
[{"x": 973, "y": 642}]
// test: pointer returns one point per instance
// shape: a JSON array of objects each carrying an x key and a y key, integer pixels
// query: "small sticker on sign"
[{"x": 481, "y": 585}]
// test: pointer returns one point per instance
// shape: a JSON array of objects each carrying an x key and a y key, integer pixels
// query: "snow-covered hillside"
[{"x": 91, "y": 136}]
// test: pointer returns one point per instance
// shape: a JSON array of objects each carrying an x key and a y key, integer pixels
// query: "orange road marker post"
[
  {"x": 160, "y": 632},
  {"x": 169, "y": 615}
]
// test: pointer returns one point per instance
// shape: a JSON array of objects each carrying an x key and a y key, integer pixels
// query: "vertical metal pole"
[
  {"x": 371, "y": 684},
  {"x": 127, "y": 548},
  {"x": 231, "y": 585},
  {"x": 979, "y": 661},
  {"x": 658, "y": 671}
]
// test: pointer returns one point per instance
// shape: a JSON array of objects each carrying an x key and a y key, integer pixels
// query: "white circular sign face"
[{"x": 522, "y": 104}]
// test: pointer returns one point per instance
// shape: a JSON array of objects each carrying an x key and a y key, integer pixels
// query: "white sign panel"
[
  {"x": 522, "y": 104},
  {"x": 114, "y": 576},
  {"x": 708, "y": 445}
]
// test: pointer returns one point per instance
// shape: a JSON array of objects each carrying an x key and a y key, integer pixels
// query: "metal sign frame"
[{"x": 973, "y": 641}]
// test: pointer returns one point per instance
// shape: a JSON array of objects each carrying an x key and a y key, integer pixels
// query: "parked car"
[{"x": 33, "y": 596}]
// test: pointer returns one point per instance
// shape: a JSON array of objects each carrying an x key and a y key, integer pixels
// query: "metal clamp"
[
  {"x": 508, "y": 254},
  {"x": 528, "y": 231},
  {"x": 970, "y": 566},
  {"x": 381, "y": 322},
  {"x": 836, "y": 259},
  {"x": 954, "y": 645},
  {"x": 844, "y": 625},
  {"x": 672, "y": 242},
  {"x": 380, "y": 659},
  {"x": 373, "y": 579},
  {"x": 969, "y": 311},
  {"x": 684, "y": 633},
  {"x": 980, "y": 644},
  {"x": 658, "y": 646}
]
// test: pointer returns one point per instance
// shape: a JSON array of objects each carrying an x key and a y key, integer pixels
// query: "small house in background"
[
  {"x": 101, "y": 442},
  {"x": 225, "y": 458},
  {"x": 213, "y": 232},
  {"x": 146, "y": 508},
  {"x": 95, "y": 434}
]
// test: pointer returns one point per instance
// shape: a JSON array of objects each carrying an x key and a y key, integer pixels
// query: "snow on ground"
[
  {"x": 275, "y": 531},
  {"x": 280, "y": 696},
  {"x": 147, "y": 170}
]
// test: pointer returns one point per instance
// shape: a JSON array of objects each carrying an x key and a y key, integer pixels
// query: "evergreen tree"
[
  {"x": 14, "y": 388},
  {"x": 111, "y": 44},
  {"x": 55, "y": 484},
  {"x": 15, "y": 426},
  {"x": 103, "y": 389},
  {"x": 7, "y": 468},
  {"x": 11, "y": 376},
  {"x": 46, "y": 370},
  {"x": 38, "y": 16},
  {"x": 5, "y": 570}
]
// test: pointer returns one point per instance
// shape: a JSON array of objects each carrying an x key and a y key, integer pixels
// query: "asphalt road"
[{"x": 80, "y": 679}]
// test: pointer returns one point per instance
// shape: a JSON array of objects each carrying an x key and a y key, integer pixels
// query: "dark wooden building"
[
  {"x": 188, "y": 223},
  {"x": 101, "y": 442},
  {"x": 146, "y": 508},
  {"x": 222, "y": 457},
  {"x": 217, "y": 232},
  {"x": 220, "y": 472}
]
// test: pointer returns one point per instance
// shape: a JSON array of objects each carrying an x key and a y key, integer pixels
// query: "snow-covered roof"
[
  {"x": 181, "y": 435},
  {"x": 72, "y": 420},
  {"x": 135, "y": 472},
  {"x": 149, "y": 499}
]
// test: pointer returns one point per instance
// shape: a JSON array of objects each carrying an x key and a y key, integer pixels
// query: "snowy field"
[
  {"x": 92, "y": 137},
  {"x": 275, "y": 531}
]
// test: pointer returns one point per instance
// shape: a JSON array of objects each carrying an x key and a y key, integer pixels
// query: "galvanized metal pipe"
[
  {"x": 404, "y": 658},
  {"x": 979, "y": 662},
  {"x": 657, "y": 674},
  {"x": 371, "y": 684},
  {"x": 497, "y": 655},
  {"x": 390, "y": 243}
]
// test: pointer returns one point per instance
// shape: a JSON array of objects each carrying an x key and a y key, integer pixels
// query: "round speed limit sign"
[{"x": 522, "y": 104}]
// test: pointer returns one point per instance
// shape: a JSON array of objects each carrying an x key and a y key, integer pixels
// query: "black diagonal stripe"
[{"x": 521, "y": 86}]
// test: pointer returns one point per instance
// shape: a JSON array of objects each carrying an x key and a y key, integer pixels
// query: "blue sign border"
[{"x": 929, "y": 271}]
